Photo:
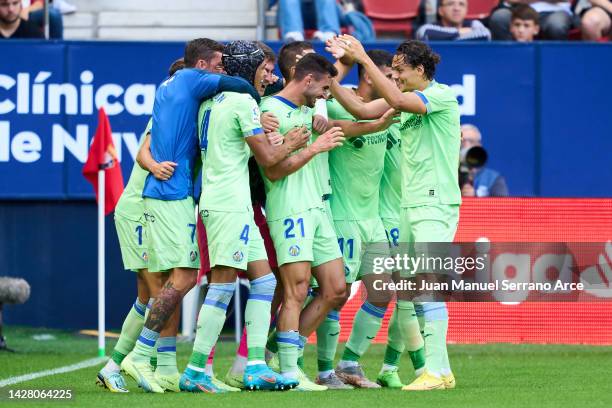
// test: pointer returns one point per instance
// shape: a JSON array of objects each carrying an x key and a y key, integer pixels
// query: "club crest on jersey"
[
  {"x": 238, "y": 256},
  {"x": 294, "y": 250},
  {"x": 145, "y": 256},
  {"x": 193, "y": 255},
  {"x": 205, "y": 213},
  {"x": 256, "y": 114}
]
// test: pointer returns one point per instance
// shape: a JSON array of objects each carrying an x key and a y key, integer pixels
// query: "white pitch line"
[{"x": 60, "y": 370}]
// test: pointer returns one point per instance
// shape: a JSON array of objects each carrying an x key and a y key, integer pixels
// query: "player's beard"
[{"x": 310, "y": 101}]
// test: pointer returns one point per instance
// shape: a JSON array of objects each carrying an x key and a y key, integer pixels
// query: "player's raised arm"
[
  {"x": 356, "y": 129},
  {"x": 161, "y": 171},
  {"x": 401, "y": 101},
  {"x": 355, "y": 106},
  {"x": 324, "y": 143}
]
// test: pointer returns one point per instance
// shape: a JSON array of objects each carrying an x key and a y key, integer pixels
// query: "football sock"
[
  {"x": 328, "y": 334},
  {"x": 395, "y": 343},
  {"x": 288, "y": 344},
  {"x": 300, "y": 360},
  {"x": 166, "y": 356},
  {"x": 145, "y": 345},
  {"x": 210, "y": 322},
  {"x": 365, "y": 327},
  {"x": 257, "y": 317},
  {"x": 436, "y": 327},
  {"x": 411, "y": 334},
  {"x": 132, "y": 326}
]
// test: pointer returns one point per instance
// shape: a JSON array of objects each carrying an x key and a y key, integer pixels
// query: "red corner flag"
[{"x": 103, "y": 156}]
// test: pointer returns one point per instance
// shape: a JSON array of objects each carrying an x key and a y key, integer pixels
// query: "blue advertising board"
[{"x": 525, "y": 99}]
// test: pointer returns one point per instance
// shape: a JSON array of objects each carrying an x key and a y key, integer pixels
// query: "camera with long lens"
[{"x": 471, "y": 158}]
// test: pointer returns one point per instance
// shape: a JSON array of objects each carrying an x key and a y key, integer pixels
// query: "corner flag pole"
[{"x": 101, "y": 266}]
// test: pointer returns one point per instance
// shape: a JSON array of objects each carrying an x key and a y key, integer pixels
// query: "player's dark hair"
[
  {"x": 201, "y": 49},
  {"x": 417, "y": 53},
  {"x": 381, "y": 58},
  {"x": 525, "y": 12},
  {"x": 176, "y": 66},
  {"x": 288, "y": 54},
  {"x": 314, "y": 64},
  {"x": 268, "y": 52}
]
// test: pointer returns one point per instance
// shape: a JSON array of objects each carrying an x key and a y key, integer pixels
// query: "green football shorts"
[
  {"x": 392, "y": 228},
  {"x": 422, "y": 228},
  {"x": 133, "y": 242},
  {"x": 361, "y": 243},
  {"x": 233, "y": 238},
  {"x": 305, "y": 237},
  {"x": 171, "y": 229}
]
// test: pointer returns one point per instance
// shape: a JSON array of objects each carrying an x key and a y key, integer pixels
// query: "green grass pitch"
[{"x": 487, "y": 376}]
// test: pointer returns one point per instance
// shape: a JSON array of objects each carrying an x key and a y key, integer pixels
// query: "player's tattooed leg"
[{"x": 163, "y": 307}]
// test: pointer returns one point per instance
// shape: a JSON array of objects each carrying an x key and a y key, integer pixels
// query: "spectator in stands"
[
  {"x": 525, "y": 23},
  {"x": 555, "y": 19},
  {"x": 482, "y": 181},
  {"x": 293, "y": 15},
  {"x": 12, "y": 26},
  {"x": 34, "y": 11},
  {"x": 596, "y": 21},
  {"x": 63, "y": 6},
  {"x": 452, "y": 25}
]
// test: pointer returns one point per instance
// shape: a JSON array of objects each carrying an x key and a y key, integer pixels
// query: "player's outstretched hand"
[
  {"x": 275, "y": 138},
  {"x": 164, "y": 170},
  {"x": 333, "y": 47},
  {"x": 390, "y": 117},
  {"x": 269, "y": 122},
  {"x": 334, "y": 137},
  {"x": 319, "y": 123},
  {"x": 352, "y": 47},
  {"x": 297, "y": 138}
]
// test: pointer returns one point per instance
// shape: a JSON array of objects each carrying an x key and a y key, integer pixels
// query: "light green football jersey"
[
  {"x": 224, "y": 122},
  {"x": 321, "y": 161},
  {"x": 298, "y": 191},
  {"x": 131, "y": 203},
  {"x": 391, "y": 183},
  {"x": 430, "y": 150},
  {"x": 356, "y": 170}
]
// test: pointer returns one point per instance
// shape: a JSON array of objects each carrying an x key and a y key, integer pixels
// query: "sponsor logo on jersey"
[
  {"x": 414, "y": 122},
  {"x": 238, "y": 256},
  {"x": 294, "y": 250}
]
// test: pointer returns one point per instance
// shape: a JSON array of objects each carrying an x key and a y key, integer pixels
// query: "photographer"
[{"x": 475, "y": 179}]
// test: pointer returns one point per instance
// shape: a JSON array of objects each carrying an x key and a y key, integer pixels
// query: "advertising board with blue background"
[{"x": 542, "y": 108}]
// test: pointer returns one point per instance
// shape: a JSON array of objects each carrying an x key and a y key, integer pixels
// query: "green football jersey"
[
  {"x": 298, "y": 191},
  {"x": 356, "y": 170},
  {"x": 224, "y": 122},
  {"x": 321, "y": 162},
  {"x": 131, "y": 203},
  {"x": 391, "y": 183},
  {"x": 430, "y": 150}
]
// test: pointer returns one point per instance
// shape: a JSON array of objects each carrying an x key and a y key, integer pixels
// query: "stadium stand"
[
  {"x": 161, "y": 20},
  {"x": 392, "y": 15},
  {"x": 478, "y": 9}
]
